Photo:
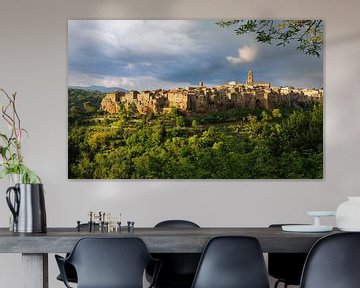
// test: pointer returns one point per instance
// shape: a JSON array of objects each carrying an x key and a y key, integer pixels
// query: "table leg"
[{"x": 35, "y": 270}]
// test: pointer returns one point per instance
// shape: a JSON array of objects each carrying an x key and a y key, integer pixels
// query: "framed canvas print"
[{"x": 195, "y": 99}]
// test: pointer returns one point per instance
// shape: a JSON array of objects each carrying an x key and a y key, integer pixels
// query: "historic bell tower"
[{"x": 250, "y": 78}]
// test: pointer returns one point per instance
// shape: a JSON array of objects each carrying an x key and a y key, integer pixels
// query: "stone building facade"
[{"x": 202, "y": 99}]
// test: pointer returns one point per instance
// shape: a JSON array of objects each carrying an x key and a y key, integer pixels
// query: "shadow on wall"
[
  {"x": 344, "y": 39},
  {"x": 134, "y": 10}
]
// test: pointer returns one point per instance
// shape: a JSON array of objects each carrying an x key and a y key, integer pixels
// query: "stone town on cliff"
[{"x": 203, "y": 100}]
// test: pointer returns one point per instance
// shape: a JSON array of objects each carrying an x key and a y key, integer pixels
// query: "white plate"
[
  {"x": 306, "y": 228},
  {"x": 321, "y": 213}
]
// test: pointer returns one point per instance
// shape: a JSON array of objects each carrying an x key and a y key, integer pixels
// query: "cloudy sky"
[{"x": 137, "y": 54}]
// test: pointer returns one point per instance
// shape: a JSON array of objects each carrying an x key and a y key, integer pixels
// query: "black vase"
[{"x": 28, "y": 208}]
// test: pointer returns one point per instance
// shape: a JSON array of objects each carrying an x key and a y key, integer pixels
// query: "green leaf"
[
  {"x": 26, "y": 132},
  {"x": 3, "y": 151},
  {"x": 4, "y": 173},
  {"x": 28, "y": 176},
  {"x": 4, "y": 137}
]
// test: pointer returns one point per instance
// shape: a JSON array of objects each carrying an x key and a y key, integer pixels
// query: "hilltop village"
[{"x": 203, "y": 100}]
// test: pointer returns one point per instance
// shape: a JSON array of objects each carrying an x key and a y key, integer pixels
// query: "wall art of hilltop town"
[{"x": 204, "y": 100}]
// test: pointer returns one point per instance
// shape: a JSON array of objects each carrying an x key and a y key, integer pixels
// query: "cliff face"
[{"x": 109, "y": 105}]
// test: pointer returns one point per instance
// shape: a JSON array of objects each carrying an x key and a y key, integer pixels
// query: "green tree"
[
  {"x": 88, "y": 107},
  {"x": 98, "y": 140},
  {"x": 132, "y": 110},
  {"x": 307, "y": 35},
  {"x": 194, "y": 123},
  {"x": 174, "y": 112},
  {"x": 180, "y": 121}
]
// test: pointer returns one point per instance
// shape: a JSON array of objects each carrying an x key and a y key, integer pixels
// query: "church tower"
[{"x": 250, "y": 78}]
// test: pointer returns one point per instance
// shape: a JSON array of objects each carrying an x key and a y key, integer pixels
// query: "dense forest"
[{"x": 234, "y": 144}]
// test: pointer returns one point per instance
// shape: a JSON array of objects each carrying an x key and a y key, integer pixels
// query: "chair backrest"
[
  {"x": 232, "y": 262},
  {"x": 333, "y": 262},
  {"x": 176, "y": 224},
  {"x": 286, "y": 267},
  {"x": 178, "y": 269},
  {"x": 110, "y": 262}
]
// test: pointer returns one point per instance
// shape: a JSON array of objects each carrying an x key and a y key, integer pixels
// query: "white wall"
[{"x": 33, "y": 62}]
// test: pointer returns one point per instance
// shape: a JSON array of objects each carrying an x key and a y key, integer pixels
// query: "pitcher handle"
[{"x": 13, "y": 208}]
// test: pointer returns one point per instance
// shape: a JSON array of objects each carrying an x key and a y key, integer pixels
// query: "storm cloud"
[{"x": 148, "y": 54}]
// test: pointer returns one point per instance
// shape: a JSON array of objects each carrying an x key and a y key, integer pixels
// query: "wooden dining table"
[{"x": 35, "y": 247}]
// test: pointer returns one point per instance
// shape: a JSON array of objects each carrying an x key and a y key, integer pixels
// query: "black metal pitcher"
[{"x": 28, "y": 208}]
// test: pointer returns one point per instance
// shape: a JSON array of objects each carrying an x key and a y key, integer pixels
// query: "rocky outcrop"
[{"x": 109, "y": 105}]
